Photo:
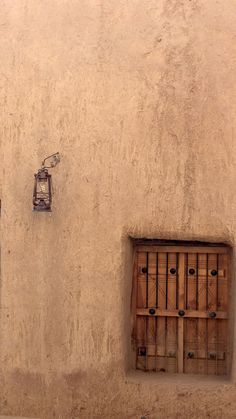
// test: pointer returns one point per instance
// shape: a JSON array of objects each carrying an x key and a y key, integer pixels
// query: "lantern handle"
[{"x": 55, "y": 160}]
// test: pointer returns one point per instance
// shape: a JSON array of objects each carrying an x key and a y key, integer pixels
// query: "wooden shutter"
[{"x": 180, "y": 304}]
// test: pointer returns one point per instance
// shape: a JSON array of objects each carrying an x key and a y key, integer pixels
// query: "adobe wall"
[{"x": 139, "y": 98}]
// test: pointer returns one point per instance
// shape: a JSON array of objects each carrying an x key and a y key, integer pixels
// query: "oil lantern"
[{"x": 42, "y": 195}]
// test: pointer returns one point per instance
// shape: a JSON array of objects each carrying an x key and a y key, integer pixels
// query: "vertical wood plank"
[
  {"x": 151, "y": 323},
  {"x": 222, "y": 285},
  {"x": 171, "y": 297},
  {"x": 161, "y": 323},
  {"x": 181, "y": 293},
  {"x": 212, "y": 323},
  {"x": 181, "y": 298},
  {"x": 190, "y": 329},
  {"x": 141, "y": 279},
  {"x": 180, "y": 345},
  {"x": 171, "y": 347},
  {"x": 133, "y": 309},
  {"x": 222, "y": 347},
  {"x": 191, "y": 298},
  {"x": 212, "y": 283},
  {"x": 141, "y": 342},
  {"x": 201, "y": 328},
  {"x": 151, "y": 340},
  {"x": 152, "y": 280},
  {"x": 146, "y": 341},
  {"x": 190, "y": 346},
  {"x": 223, "y": 335}
]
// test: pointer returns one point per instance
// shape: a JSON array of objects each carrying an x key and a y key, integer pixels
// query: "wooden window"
[{"x": 180, "y": 307}]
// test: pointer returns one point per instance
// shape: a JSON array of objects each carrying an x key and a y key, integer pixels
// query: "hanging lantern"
[
  {"x": 42, "y": 195},
  {"x": 42, "y": 198}
]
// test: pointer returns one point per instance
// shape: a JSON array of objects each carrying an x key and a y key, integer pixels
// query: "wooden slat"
[
  {"x": 212, "y": 325},
  {"x": 152, "y": 280},
  {"x": 191, "y": 282},
  {"x": 162, "y": 281},
  {"x": 181, "y": 290},
  {"x": 134, "y": 285},
  {"x": 181, "y": 299},
  {"x": 183, "y": 249},
  {"x": 223, "y": 285},
  {"x": 201, "y": 272},
  {"x": 180, "y": 345},
  {"x": 222, "y": 343},
  {"x": 212, "y": 347},
  {"x": 222, "y": 332},
  {"x": 212, "y": 283},
  {"x": 190, "y": 323},
  {"x": 188, "y": 313},
  {"x": 201, "y": 327},
  {"x": 141, "y": 292},
  {"x": 190, "y": 346},
  {"x": 150, "y": 344},
  {"x": 140, "y": 342},
  {"x": 161, "y": 343},
  {"x": 161, "y": 322},
  {"x": 171, "y": 300},
  {"x": 133, "y": 308},
  {"x": 141, "y": 279},
  {"x": 171, "y": 344}
]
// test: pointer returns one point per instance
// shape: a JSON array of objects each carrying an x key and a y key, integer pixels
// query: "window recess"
[{"x": 180, "y": 308}]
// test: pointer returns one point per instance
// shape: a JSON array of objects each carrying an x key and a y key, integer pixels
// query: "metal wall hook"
[{"x": 55, "y": 159}]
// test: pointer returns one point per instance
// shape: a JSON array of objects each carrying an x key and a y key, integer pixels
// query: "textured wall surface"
[{"x": 139, "y": 98}]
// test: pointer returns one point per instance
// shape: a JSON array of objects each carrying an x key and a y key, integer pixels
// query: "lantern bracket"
[{"x": 55, "y": 159}]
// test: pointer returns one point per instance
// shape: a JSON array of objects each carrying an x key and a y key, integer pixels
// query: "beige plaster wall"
[{"x": 139, "y": 98}]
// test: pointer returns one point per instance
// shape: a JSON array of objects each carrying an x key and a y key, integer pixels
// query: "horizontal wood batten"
[
  {"x": 181, "y": 249},
  {"x": 174, "y": 313},
  {"x": 162, "y": 271}
]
